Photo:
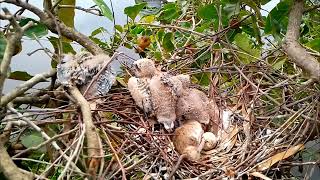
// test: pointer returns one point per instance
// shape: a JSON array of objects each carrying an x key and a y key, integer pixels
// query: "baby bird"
[
  {"x": 138, "y": 86},
  {"x": 188, "y": 141},
  {"x": 193, "y": 104},
  {"x": 163, "y": 100}
]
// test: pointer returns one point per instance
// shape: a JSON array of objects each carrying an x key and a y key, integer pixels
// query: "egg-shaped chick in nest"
[
  {"x": 210, "y": 141},
  {"x": 187, "y": 140}
]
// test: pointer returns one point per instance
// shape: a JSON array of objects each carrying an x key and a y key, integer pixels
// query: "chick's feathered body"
[
  {"x": 187, "y": 139},
  {"x": 139, "y": 90},
  {"x": 163, "y": 101},
  {"x": 193, "y": 104}
]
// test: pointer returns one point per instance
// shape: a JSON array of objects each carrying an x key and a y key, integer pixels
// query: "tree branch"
[
  {"x": 7, "y": 166},
  {"x": 25, "y": 86},
  {"x": 93, "y": 140},
  {"x": 12, "y": 40},
  {"x": 295, "y": 51},
  {"x": 65, "y": 30}
]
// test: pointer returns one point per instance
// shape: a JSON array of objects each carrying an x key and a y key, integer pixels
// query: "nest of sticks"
[{"x": 264, "y": 139}]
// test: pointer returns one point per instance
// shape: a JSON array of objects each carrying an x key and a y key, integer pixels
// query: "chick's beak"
[{"x": 168, "y": 126}]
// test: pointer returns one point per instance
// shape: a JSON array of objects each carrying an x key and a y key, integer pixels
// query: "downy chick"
[
  {"x": 138, "y": 86},
  {"x": 188, "y": 141},
  {"x": 163, "y": 100},
  {"x": 193, "y": 104}
]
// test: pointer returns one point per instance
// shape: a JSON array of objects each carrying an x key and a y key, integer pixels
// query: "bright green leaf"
[
  {"x": 133, "y": 11},
  {"x": 104, "y": 9},
  {"x": 119, "y": 28},
  {"x": 278, "y": 65},
  {"x": 247, "y": 53},
  {"x": 169, "y": 12},
  {"x": 98, "y": 31},
  {"x": 276, "y": 20},
  {"x": 208, "y": 12},
  {"x": 38, "y": 30},
  {"x": 149, "y": 18},
  {"x": 20, "y": 75},
  {"x": 314, "y": 44},
  {"x": 167, "y": 42}
]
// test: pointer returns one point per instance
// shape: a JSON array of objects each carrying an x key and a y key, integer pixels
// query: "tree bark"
[{"x": 295, "y": 51}]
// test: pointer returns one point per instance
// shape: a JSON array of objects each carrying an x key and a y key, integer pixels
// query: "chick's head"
[{"x": 144, "y": 68}]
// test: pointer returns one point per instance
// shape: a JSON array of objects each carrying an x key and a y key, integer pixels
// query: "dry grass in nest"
[{"x": 262, "y": 140}]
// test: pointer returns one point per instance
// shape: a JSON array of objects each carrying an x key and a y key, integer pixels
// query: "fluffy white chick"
[{"x": 138, "y": 86}]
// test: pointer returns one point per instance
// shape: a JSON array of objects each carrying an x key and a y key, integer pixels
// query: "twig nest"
[
  {"x": 210, "y": 141},
  {"x": 187, "y": 140}
]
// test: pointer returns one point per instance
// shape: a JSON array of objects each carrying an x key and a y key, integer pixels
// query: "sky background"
[{"x": 84, "y": 22}]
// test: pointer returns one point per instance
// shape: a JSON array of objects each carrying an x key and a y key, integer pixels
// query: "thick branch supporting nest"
[
  {"x": 294, "y": 50},
  {"x": 93, "y": 140}
]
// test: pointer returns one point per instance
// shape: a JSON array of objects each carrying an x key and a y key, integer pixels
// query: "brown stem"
[
  {"x": 93, "y": 140},
  {"x": 295, "y": 51},
  {"x": 54, "y": 27}
]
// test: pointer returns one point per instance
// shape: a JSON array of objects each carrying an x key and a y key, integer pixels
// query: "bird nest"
[{"x": 264, "y": 138}]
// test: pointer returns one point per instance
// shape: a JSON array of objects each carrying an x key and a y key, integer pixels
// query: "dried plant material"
[
  {"x": 259, "y": 175},
  {"x": 266, "y": 164},
  {"x": 187, "y": 140},
  {"x": 228, "y": 140},
  {"x": 226, "y": 119},
  {"x": 210, "y": 141}
]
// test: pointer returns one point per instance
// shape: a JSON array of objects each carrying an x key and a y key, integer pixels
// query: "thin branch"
[
  {"x": 12, "y": 40},
  {"x": 65, "y": 30},
  {"x": 25, "y": 86}
]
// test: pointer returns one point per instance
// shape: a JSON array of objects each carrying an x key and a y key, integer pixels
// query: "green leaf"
[
  {"x": 38, "y": 30},
  {"x": 278, "y": 65},
  {"x": 20, "y": 75},
  {"x": 137, "y": 30},
  {"x": 133, "y": 11},
  {"x": 66, "y": 15},
  {"x": 98, "y": 31},
  {"x": 250, "y": 54},
  {"x": 169, "y": 12},
  {"x": 3, "y": 44},
  {"x": 119, "y": 28},
  {"x": 104, "y": 9},
  {"x": 67, "y": 48},
  {"x": 277, "y": 18},
  {"x": 32, "y": 140},
  {"x": 167, "y": 42},
  {"x": 314, "y": 44},
  {"x": 208, "y": 12},
  {"x": 203, "y": 79}
]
